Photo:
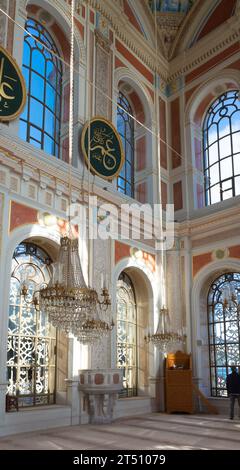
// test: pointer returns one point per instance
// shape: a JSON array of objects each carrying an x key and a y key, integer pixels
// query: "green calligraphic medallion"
[
  {"x": 12, "y": 87},
  {"x": 102, "y": 148}
]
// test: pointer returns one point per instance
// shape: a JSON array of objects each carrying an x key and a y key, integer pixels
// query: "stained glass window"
[
  {"x": 221, "y": 141},
  {"x": 224, "y": 331},
  {"x": 41, "y": 119},
  {"x": 127, "y": 335},
  {"x": 125, "y": 127},
  {"x": 31, "y": 339}
]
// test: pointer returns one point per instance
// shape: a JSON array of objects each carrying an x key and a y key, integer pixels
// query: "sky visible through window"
[{"x": 222, "y": 148}]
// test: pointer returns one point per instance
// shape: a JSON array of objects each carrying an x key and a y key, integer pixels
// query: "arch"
[
  {"x": 49, "y": 240},
  {"x": 217, "y": 16},
  {"x": 31, "y": 363},
  {"x": 145, "y": 18},
  {"x": 145, "y": 284},
  {"x": 208, "y": 91},
  {"x": 27, "y": 232},
  {"x": 197, "y": 15},
  {"x": 221, "y": 135},
  {"x": 61, "y": 16},
  {"x": 195, "y": 111},
  {"x": 140, "y": 101},
  {"x": 125, "y": 76},
  {"x": 199, "y": 333}
]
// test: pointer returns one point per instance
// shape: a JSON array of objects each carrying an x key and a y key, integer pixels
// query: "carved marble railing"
[{"x": 100, "y": 388}]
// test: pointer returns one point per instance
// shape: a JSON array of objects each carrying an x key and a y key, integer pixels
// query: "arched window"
[
  {"x": 125, "y": 127},
  {"x": 40, "y": 122},
  {"x": 31, "y": 339},
  {"x": 223, "y": 328},
  {"x": 127, "y": 334},
  {"x": 221, "y": 140}
]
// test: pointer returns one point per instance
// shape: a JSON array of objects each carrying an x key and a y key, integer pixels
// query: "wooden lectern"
[{"x": 178, "y": 383}]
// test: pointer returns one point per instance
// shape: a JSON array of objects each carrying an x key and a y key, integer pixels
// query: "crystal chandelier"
[
  {"x": 165, "y": 336},
  {"x": 71, "y": 305}
]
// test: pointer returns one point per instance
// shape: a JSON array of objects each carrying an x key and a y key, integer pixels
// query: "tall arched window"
[
  {"x": 221, "y": 141},
  {"x": 224, "y": 330},
  {"x": 125, "y": 127},
  {"x": 41, "y": 120},
  {"x": 127, "y": 334},
  {"x": 31, "y": 339}
]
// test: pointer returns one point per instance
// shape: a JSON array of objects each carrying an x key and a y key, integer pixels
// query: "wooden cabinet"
[{"x": 178, "y": 382}]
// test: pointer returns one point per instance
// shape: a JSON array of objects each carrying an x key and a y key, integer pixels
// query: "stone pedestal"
[{"x": 100, "y": 388}]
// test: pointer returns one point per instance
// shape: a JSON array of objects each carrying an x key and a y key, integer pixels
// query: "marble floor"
[{"x": 151, "y": 431}]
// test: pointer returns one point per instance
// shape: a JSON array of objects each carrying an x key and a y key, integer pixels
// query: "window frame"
[
  {"x": 29, "y": 326},
  {"x": 214, "y": 299},
  {"x": 125, "y": 283},
  {"x": 125, "y": 185},
  {"x": 55, "y": 113},
  {"x": 208, "y": 122}
]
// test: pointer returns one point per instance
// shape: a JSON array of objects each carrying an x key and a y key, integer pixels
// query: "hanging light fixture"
[
  {"x": 231, "y": 298},
  {"x": 71, "y": 305},
  {"x": 164, "y": 337}
]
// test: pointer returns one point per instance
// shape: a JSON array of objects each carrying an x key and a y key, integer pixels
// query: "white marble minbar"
[{"x": 100, "y": 388}]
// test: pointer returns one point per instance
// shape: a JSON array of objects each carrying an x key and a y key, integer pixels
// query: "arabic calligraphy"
[
  {"x": 12, "y": 88},
  {"x": 102, "y": 147},
  {"x": 102, "y": 141}
]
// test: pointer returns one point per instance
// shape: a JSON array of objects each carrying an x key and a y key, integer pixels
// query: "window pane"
[
  {"x": 214, "y": 174},
  {"x": 236, "y": 142},
  {"x": 37, "y": 86},
  {"x": 215, "y": 194},
  {"x": 225, "y": 147},
  {"x": 125, "y": 126},
  {"x": 36, "y": 113},
  {"x": 38, "y": 62},
  {"x": 213, "y": 154},
  {"x": 41, "y": 69},
  {"x": 226, "y": 168}
]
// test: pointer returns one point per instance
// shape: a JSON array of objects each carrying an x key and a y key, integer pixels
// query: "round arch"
[
  {"x": 214, "y": 86},
  {"x": 199, "y": 324},
  {"x": 145, "y": 286},
  {"x": 138, "y": 95},
  {"x": 49, "y": 241},
  {"x": 122, "y": 74},
  {"x": 63, "y": 20}
]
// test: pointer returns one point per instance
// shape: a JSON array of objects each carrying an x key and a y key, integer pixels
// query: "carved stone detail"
[
  {"x": 103, "y": 60},
  {"x": 168, "y": 25},
  {"x": 3, "y": 22},
  {"x": 101, "y": 353},
  {"x": 1, "y": 219}
]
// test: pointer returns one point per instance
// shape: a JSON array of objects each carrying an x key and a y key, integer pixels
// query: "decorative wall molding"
[{"x": 3, "y": 22}]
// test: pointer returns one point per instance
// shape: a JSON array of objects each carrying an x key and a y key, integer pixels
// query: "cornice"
[
  {"x": 185, "y": 62},
  {"x": 221, "y": 219},
  {"x": 208, "y": 47},
  {"x": 131, "y": 37}
]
